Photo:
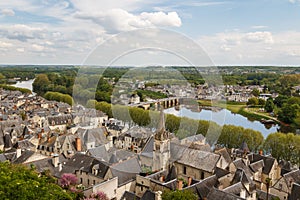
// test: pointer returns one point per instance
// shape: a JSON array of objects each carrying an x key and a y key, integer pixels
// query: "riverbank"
[{"x": 239, "y": 108}]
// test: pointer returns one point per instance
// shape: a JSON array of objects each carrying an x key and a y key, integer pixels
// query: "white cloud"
[
  {"x": 259, "y": 27},
  {"x": 259, "y": 36},
  {"x": 242, "y": 48},
  {"x": 22, "y": 32},
  {"x": 38, "y": 48},
  {"x": 5, "y": 44},
  {"x": 21, "y": 50},
  {"x": 7, "y": 12},
  {"x": 117, "y": 20}
]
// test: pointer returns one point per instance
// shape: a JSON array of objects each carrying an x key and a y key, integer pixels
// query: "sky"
[{"x": 231, "y": 32}]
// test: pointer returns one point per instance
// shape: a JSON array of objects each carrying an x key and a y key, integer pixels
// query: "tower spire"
[{"x": 161, "y": 133}]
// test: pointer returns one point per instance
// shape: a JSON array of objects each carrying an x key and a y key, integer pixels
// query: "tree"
[
  {"x": 255, "y": 92},
  {"x": 288, "y": 113},
  {"x": 179, "y": 195},
  {"x": 40, "y": 84},
  {"x": 269, "y": 106},
  {"x": 261, "y": 102},
  {"x": 19, "y": 182},
  {"x": 253, "y": 101},
  {"x": 68, "y": 180},
  {"x": 98, "y": 196}
]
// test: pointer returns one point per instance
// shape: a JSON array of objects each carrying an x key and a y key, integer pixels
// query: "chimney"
[
  {"x": 158, "y": 195},
  {"x": 179, "y": 184},
  {"x": 190, "y": 181},
  {"x": 39, "y": 136},
  {"x": 162, "y": 178},
  {"x": 260, "y": 152},
  {"x": 78, "y": 144},
  {"x": 59, "y": 167},
  {"x": 18, "y": 152},
  {"x": 55, "y": 160}
]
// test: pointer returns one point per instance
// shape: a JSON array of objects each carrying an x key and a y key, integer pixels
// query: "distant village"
[{"x": 136, "y": 162}]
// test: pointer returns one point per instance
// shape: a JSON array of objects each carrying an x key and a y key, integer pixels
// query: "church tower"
[{"x": 161, "y": 149}]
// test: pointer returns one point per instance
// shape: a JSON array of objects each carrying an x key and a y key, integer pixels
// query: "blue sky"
[{"x": 232, "y": 32}]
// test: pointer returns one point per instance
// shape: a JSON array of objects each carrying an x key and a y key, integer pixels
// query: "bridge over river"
[{"x": 165, "y": 103}]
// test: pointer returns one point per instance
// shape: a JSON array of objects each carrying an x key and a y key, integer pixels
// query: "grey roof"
[
  {"x": 148, "y": 148},
  {"x": 126, "y": 171},
  {"x": 194, "y": 138},
  {"x": 221, "y": 172},
  {"x": 97, "y": 135},
  {"x": 240, "y": 176},
  {"x": 2, "y": 157},
  {"x": 24, "y": 156},
  {"x": 292, "y": 177},
  {"x": 263, "y": 195},
  {"x": 139, "y": 132},
  {"x": 216, "y": 194},
  {"x": 24, "y": 144},
  {"x": 295, "y": 193},
  {"x": 199, "y": 159},
  {"x": 7, "y": 141},
  {"x": 203, "y": 187},
  {"x": 239, "y": 163},
  {"x": 224, "y": 153},
  {"x": 235, "y": 188},
  {"x": 148, "y": 195},
  {"x": 99, "y": 152},
  {"x": 268, "y": 161},
  {"x": 85, "y": 163},
  {"x": 129, "y": 196},
  {"x": 256, "y": 166},
  {"x": 172, "y": 174}
]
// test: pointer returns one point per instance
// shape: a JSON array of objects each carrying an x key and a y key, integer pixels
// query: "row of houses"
[{"x": 133, "y": 162}]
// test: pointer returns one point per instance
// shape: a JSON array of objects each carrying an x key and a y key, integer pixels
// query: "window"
[
  {"x": 184, "y": 170},
  {"x": 94, "y": 182},
  {"x": 80, "y": 180},
  {"x": 88, "y": 182},
  {"x": 202, "y": 175}
]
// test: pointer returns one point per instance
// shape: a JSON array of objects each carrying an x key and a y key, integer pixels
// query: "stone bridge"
[{"x": 156, "y": 104}]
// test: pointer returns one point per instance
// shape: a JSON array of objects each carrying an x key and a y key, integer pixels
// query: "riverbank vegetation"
[{"x": 12, "y": 88}]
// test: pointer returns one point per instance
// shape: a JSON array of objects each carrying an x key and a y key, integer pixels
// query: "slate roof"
[
  {"x": 221, "y": 172},
  {"x": 147, "y": 151},
  {"x": 268, "y": 161},
  {"x": 216, "y": 194},
  {"x": 85, "y": 163},
  {"x": 262, "y": 195},
  {"x": 224, "y": 153},
  {"x": 203, "y": 187},
  {"x": 239, "y": 163},
  {"x": 256, "y": 166},
  {"x": 295, "y": 193},
  {"x": 126, "y": 171},
  {"x": 199, "y": 159},
  {"x": 235, "y": 189},
  {"x": 97, "y": 135},
  {"x": 24, "y": 156},
  {"x": 2, "y": 157},
  {"x": 99, "y": 152},
  {"x": 129, "y": 196},
  {"x": 148, "y": 195},
  {"x": 292, "y": 177}
]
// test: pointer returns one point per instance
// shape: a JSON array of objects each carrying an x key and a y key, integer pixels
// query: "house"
[{"x": 283, "y": 187}]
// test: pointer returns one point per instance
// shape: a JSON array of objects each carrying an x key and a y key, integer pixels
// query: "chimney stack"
[
  {"x": 78, "y": 144},
  {"x": 158, "y": 195},
  {"x": 162, "y": 178},
  {"x": 55, "y": 160},
  {"x": 179, "y": 184},
  {"x": 190, "y": 181},
  {"x": 18, "y": 152}
]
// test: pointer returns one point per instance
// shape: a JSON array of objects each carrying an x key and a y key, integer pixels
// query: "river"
[
  {"x": 222, "y": 117},
  {"x": 24, "y": 84}
]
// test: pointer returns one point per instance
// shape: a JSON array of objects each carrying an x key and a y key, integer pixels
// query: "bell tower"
[{"x": 161, "y": 149}]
